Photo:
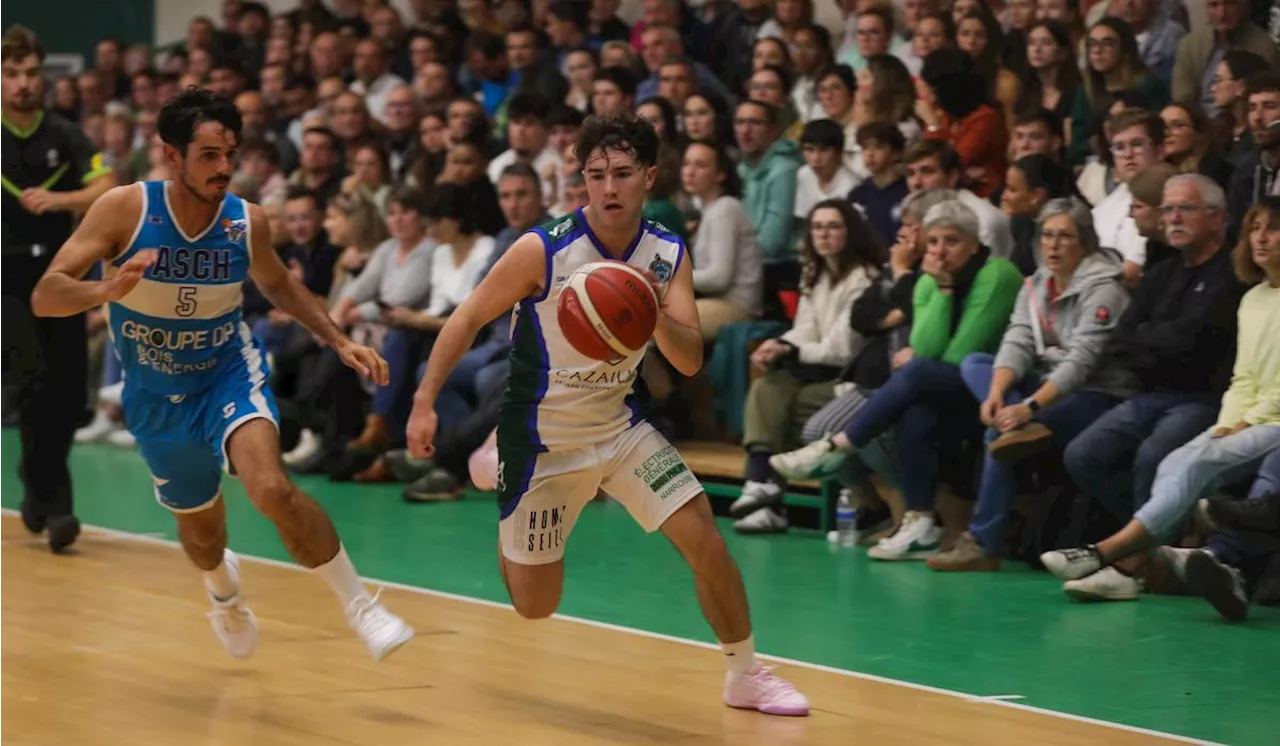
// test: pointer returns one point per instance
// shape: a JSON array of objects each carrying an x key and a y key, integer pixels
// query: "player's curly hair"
[
  {"x": 624, "y": 132},
  {"x": 180, "y": 118}
]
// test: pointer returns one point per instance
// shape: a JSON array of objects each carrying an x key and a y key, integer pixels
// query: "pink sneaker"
[{"x": 761, "y": 690}]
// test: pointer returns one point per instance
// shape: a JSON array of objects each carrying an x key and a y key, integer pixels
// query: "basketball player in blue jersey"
[
  {"x": 195, "y": 393},
  {"x": 569, "y": 425}
]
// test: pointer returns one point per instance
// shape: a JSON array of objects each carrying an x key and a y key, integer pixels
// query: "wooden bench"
[{"x": 721, "y": 466}]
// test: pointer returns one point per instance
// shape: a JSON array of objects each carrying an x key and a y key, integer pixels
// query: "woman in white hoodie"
[{"x": 841, "y": 258}]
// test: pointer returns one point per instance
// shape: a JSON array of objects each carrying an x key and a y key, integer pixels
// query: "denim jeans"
[
  {"x": 1187, "y": 474},
  {"x": 925, "y": 402},
  {"x": 401, "y": 348},
  {"x": 1065, "y": 418},
  {"x": 456, "y": 400},
  {"x": 273, "y": 336},
  {"x": 1115, "y": 459}
]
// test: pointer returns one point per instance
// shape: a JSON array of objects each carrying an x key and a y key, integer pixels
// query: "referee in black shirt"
[{"x": 51, "y": 173}]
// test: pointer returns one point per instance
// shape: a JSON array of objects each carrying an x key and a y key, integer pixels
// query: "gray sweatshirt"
[
  {"x": 407, "y": 284},
  {"x": 727, "y": 261},
  {"x": 1064, "y": 341}
]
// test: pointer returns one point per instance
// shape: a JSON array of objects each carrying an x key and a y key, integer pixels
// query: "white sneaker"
[
  {"x": 308, "y": 445},
  {"x": 917, "y": 538},
  {"x": 233, "y": 622},
  {"x": 101, "y": 427},
  {"x": 1072, "y": 564},
  {"x": 1107, "y": 584},
  {"x": 382, "y": 632},
  {"x": 122, "y": 438},
  {"x": 113, "y": 394},
  {"x": 755, "y": 495},
  {"x": 763, "y": 521},
  {"x": 818, "y": 460}
]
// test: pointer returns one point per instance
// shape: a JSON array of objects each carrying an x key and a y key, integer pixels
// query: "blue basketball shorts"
[{"x": 183, "y": 439}]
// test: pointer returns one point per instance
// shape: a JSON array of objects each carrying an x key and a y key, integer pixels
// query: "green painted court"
[{"x": 1163, "y": 663}]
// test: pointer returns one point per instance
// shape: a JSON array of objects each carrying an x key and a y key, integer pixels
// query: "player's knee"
[{"x": 275, "y": 497}]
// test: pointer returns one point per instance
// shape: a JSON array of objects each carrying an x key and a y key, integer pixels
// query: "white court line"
[{"x": 1002, "y": 700}]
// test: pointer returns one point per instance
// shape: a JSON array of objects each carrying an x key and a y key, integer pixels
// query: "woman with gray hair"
[
  {"x": 1050, "y": 379},
  {"x": 960, "y": 305}
]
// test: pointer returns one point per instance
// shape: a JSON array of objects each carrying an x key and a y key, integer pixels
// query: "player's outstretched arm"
[
  {"x": 104, "y": 232},
  {"x": 517, "y": 275},
  {"x": 679, "y": 330}
]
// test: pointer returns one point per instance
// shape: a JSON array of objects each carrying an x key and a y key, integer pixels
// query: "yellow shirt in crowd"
[{"x": 1254, "y": 396}]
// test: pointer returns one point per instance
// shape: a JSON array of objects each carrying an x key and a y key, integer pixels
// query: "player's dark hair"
[
  {"x": 180, "y": 118},
  {"x": 20, "y": 43},
  {"x": 624, "y": 132}
]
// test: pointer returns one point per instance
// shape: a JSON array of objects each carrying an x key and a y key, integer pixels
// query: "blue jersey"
[{"x": 182, "y": 327}]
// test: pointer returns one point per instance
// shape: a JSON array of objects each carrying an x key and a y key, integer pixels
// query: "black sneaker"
[
  {"x": 874, "y": 520},
  {"x": 32, "y": 516},
  {"x": 63, "y": 532},
  {"x": 437, "y": 486},
  {"x": 1219, "y": 584},
  {"x": 1256, "y": 520}
]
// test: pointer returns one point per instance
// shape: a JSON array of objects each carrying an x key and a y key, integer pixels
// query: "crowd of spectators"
[{"x": 1006, "y": 248}]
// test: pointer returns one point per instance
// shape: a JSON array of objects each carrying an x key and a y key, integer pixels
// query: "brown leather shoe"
[
  {"x": 374, "y": 437},
  {"x": 966, "y": 556},
  {"x": 1015, "y": 445}
]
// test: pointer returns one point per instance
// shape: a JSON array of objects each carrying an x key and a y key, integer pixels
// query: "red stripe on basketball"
[{"x": 577, "y": 328}]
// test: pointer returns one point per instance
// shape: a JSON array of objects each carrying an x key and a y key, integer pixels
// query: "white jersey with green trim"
[{"x": 556, "y": 397}]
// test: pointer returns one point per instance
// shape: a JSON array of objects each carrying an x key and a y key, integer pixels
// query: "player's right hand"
[
  {"x": 421, "y": 430},
  {"x": 130, "y": 273}
]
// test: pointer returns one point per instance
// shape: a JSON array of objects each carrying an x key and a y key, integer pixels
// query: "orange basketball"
[{"x": 607, "y": 310}]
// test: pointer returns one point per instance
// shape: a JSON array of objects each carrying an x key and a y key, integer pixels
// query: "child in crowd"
[{"x": 880, "y": 197}]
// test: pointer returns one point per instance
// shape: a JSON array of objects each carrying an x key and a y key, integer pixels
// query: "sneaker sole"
[
  {"x": 1081, "y": 594},
  {"x": 745, "y": 509},
  {"x": 915, "y": 555},
  {"x": 1019, "y": 448},
  {"x": 1210, "y": 580},
  {"x": 395, "y": 645},
  {"x": 796, "y": 712}
]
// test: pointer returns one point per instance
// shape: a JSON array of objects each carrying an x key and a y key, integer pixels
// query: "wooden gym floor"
[{"x": 111, "y": 645}]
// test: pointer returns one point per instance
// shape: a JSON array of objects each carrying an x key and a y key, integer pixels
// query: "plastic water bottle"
[{"x": 846, "y": 519}]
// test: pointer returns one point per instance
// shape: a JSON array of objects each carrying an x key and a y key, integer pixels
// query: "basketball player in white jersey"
[
  {"x": 195, "y": 394},
  {"x": 568, "y": 424}
]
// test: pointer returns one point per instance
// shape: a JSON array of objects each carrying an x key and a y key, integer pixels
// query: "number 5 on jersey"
[{"x": 186, "y": 301}]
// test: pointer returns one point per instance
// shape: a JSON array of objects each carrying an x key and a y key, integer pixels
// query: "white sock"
[
  {"x": 740, "y": 657},
  {"x": 342, "y": 578},
  {"x": 220, "y": 583}
]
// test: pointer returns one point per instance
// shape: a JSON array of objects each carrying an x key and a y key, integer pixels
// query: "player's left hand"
[
  {"x": 364, "y": 360},
  {"x": 39, "y": 201}
]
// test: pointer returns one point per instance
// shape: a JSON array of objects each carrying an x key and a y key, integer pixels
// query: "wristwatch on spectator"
[{"x": 1032, "y": 404}]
